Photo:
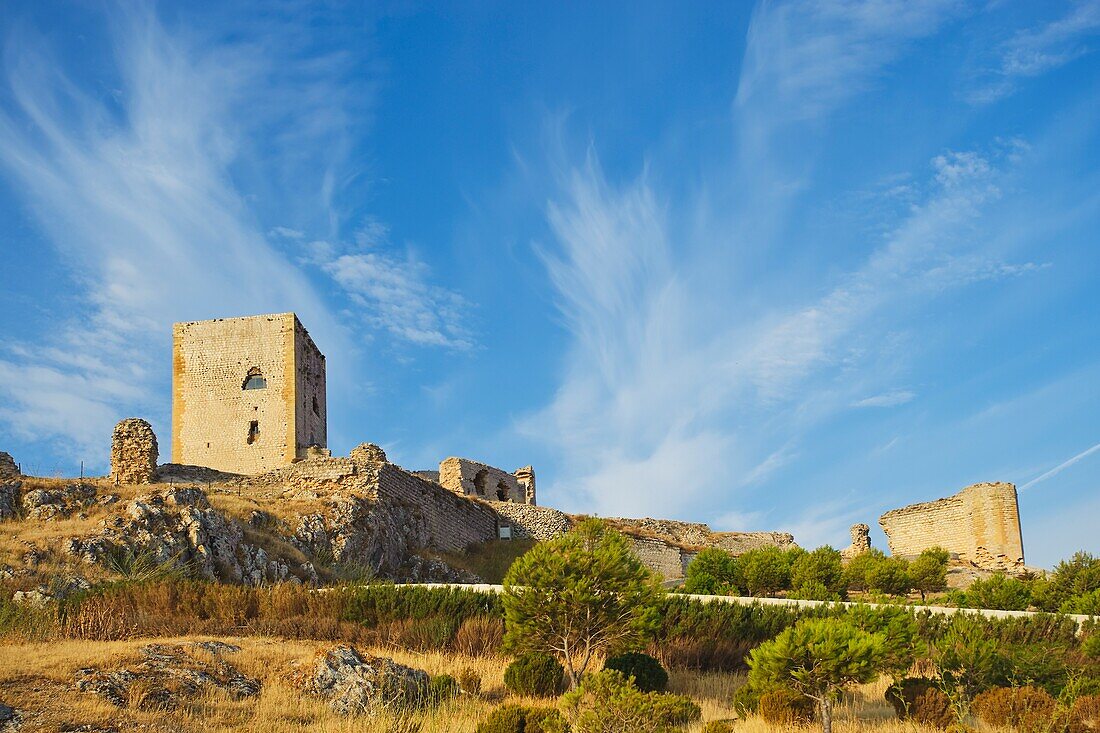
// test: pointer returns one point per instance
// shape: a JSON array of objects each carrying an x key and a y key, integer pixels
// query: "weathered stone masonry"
[
  {"x": 248, "y": 394},
  {"x": 134, "y": 452},
  {"x": 979, "y": 522},
  {"x": 470, "y": 478}
]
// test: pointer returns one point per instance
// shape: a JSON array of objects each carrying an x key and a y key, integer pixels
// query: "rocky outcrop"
[
  {"x": 10, "y": 719},
  {"x": 861, "y": 542},
  {"x": 59, "y": 503},
  {"x": 354, "y": 683},
  {"x": 134, "y": 452},
  {"x": 167, "y": 675},
  {"x": 9, "y": 500}
]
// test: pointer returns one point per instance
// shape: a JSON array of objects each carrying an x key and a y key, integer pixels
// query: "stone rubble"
[
  {"x": 861, "y": 542},
  {"x": 167, "y": 675},
  {"x": 354, "y": 683}
]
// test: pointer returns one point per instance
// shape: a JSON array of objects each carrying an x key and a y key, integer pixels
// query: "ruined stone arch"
[{"x": 480, "y": 481}]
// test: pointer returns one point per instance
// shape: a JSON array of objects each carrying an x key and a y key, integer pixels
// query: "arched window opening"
[
  {"x": 254, "y": 380},
  {"x": 479, "y": 482},
  {"x": 253, "y": 431},
  {"x": 502, "y": 492}
]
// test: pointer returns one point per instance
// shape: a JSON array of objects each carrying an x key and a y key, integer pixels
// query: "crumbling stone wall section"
[
  {"x": 662, "y": 558},
  {"x": 861, "y": 542},
  {"x": 738, "y": 543},
  {"x": 537, "y": 522},
  {"x": 248, "y": 394},
  {"x": 452, "y": 522},
  {"x": 980, "y": 522},
  {"x": 470, "y": 478},
  {"x": 526, "y": 478},
  {"x": 8, "y": 470},
  {"x": 134, "y": 452}
]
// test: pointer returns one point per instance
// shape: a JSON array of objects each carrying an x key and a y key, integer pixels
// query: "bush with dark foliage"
[
  {"x": 521, "y": 719},
  {"x": 648, "y": 674},
  {"x": 534, "y": 675},
  {"x": 922, "y": 701}
]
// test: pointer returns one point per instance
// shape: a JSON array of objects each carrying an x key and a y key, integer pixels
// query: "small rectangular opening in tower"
[{"x": 253, "y": 431}]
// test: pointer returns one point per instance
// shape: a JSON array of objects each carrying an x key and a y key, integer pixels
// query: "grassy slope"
[{"x": 38, "y": 677}]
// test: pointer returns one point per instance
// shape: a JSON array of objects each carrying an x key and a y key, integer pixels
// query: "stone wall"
[
  {"x": 453, "y": 522},
  {"x": 538, "y": 522},
  {"x": 979, "y": 522},
  {"x": 664, "y": 559},
  {"x": 134, "y": 452},
  {"x": 471, "y": 478},
  {"x": 217, "y": 422},
  {"x": 8, "y": 469},
  {"x": 311, "y": 405}
]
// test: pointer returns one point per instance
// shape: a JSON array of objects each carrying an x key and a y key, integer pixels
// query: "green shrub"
[
  {"x": 534, "y": 675},
  {"x": 1091, "y": 646},
  {"x": 1084, "y": 716},
  {"x": 719, "y": 726},
  {"x": 928, "y": 573},
  {"x": 998, "y": 592},
  {"x": 520, "y": 719},
  {"x": 1083, "y": 603},
  {"x": 875, "y": 571},
  {"x": 1025, "y": 709},
  {"x": 441, "y": 688},
  {"x": 921, "y": 701},
  {"x": 648, "y": 674},
  {"x": 785, "y": 707},
  {"x": 818, "y": 573},
  {"x": 608, "y": 702},
  {"x": 470, "y": 681},
  {"x": 766, "y": 570},
  {"x": 712, "y": 572},
  {"x": 1078, "y": 687},
  {"x": 746, "y": 700}
]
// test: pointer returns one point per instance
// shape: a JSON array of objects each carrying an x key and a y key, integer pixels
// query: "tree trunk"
[{"x": 827, "y": 714}]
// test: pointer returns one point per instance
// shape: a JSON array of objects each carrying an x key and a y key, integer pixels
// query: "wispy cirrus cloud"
[
  {"x": 142, "y": 193},
  {"x": 393, "y": 290},
  {"x": 893, "y": 398},
  {"x": 1032, "y": 52},
  {"x": 648, "y": 395}
]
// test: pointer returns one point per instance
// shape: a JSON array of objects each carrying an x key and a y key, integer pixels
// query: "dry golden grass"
[{"x": 37, "y": 678}]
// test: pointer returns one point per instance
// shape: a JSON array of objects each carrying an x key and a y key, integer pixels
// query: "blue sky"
[{"x": 774, "y": 266}]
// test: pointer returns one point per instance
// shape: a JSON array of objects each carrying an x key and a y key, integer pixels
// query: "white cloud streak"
[
  {"x": 1061, "y": 467},
  {"x": 893, "y": 398},
  {"x": 137, "y": 194},
  {"x": 1035, "y": 51}
]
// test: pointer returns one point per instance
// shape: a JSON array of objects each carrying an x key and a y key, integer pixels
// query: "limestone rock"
[
  {"x": 134, "y": 452},
  {"x": 354, "y": 683},
  {"x": 168, "y": 674},
  {"x": 861, "y": 542},
  {"x": 9, "y": 500},
  {"x": 9, "y": 719}
]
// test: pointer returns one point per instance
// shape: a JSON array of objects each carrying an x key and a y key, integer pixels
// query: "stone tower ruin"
[{"x": 248, "y": 394}]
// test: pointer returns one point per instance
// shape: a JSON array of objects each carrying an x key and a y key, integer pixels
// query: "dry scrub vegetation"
[{"x": 38, "y": 677}]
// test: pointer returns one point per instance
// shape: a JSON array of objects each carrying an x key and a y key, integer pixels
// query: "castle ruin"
[
  {"x": 980, "y": 524},
  {"x": 248, "y": 394}
]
